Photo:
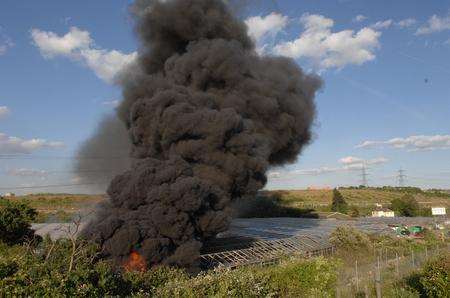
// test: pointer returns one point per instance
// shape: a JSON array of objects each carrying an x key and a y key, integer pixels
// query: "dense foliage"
[
  {"x": 338, "y": 204},
  {"x": 44, "y": 271},
  {"x": 15, "y": 222},
  {"x": 433, "y": 280},
  {"x": 290, "y": 278},
  {"x": 352, "y": 243},
  {"x": 406, "y": 206},
  {"x": 349, "y": 239}
]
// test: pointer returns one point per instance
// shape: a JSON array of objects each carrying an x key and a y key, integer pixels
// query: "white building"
[
  {"x": 383, "y": 212},
  {"x": 438, "y": 211},
  {"x": 9, "y": 195}
]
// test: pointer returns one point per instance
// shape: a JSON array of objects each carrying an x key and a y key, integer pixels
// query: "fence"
[{"x": 369, "y": 280}]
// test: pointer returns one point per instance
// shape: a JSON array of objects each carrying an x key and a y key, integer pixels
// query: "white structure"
[
  {"x": 438, "y": 210},
  {"x": 384, "y": 212},
  {"x": 9, "y": 195}
]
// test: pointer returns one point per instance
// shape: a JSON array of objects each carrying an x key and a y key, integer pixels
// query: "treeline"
[{"x": 406, "y": 205}]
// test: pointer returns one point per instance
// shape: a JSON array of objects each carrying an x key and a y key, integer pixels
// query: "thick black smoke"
[{"x": 207, "y": 117}]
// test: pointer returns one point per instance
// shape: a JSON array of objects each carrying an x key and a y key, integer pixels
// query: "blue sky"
[{"x": 385, "y": 104}]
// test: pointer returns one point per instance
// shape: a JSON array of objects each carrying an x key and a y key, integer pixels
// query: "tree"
[
  {"x": 406, "y": 206},
  {"x": 338, "y": 204},
  {"x": 353, "y": 211},
  {"x": 15, "y": 223}
]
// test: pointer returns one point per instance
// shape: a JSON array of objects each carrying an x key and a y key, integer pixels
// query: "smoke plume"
[
  {"x": 206, "y": 118},
  {"x": 104, "y": 155}
]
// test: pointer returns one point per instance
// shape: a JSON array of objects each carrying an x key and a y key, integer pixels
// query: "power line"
[{"x": 364, "y": 176}]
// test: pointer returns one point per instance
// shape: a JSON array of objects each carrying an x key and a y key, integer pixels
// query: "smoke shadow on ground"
[
  {"x": 266, "y": 205},
  {"x": 227, "y": 243}
]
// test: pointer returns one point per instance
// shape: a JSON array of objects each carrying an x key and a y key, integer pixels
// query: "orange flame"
[{"x": 135, "y": 262}]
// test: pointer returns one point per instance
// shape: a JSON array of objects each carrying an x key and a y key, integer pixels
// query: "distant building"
[
  {"x": 438, "y": 211},
  {"x": 383, "y": 212},
  {"x": 9, "y": 195}
]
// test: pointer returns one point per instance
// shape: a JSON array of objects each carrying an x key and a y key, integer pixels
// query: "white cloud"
[
  {"x": 435, "y": 24},
  {"x": 15, "y": 145},
  {"x": 258, "y": 26},
  {"x": 5, "y": 42},
  {"x": 406, "y": 23},
  {"x": 107, "y": 64},
  {"x": 77, "y": 44},
  {"x": 329, "y": 49},
  {"x": 317, "y": 171},
  {"x": 51, "y": 45},
  {"x": 24, "y": 172},
  {"x": 359, "y": 18},
  {"x": 111, "y": 103},
  {"x": 261, "y": 29},
  {"x": 412, "y": 143},
  {"x": 349, "y": 163},
  {"x": 4, "y": 112},
  {"x": 382, "y": 24},
  {"x": 350, "y": 160}
]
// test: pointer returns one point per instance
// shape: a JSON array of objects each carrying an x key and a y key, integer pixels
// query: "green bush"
[
  {"x": 338, "y": 203},
  {"x": 43, "y": 271},
  {"x": 7, "y": 269},
  {"x": 15, "y": 222},
  {"x": 354, "y": 211},
  {"x": 436, "y": 277},
  {"x": 406, "y": 206},
  {"x": 291, "y": 278},
  {"x": 346, "y": 238},
  {"x": 433, "y": 280}
]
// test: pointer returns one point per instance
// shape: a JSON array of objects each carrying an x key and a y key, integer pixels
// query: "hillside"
[
  {"x": 293, "y": 203},
  {"x": 359, "y": 197}
]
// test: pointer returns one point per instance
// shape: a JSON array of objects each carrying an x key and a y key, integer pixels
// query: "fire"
[{"x": 135, "y": 262}]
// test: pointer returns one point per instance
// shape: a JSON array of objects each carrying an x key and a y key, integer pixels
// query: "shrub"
[
  {"x": 433, "y": 280},
  {"x": 347, "y": 238},
  {"x": 406, "y": 206},
  {"x": 291, "y": 278},
  {"x": 338, "y": 204},
  {"x": 15, "y": 223},
  {"x": 43, "y": 271},
  {"x": 7, "y": 269},
  {"x": 354, "y": 211},
  {"x": 435, "y": 277}
]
